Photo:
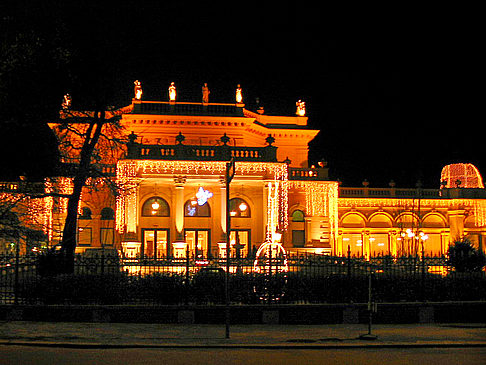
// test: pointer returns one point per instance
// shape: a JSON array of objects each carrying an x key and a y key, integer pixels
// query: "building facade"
[{"x": 172, "y": 195}]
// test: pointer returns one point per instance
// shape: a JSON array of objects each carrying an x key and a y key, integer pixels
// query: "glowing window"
[
  {"x": 298, "y": 216},
  {"x": 155, "y": 207},
  {"x": 193, "y": 209},
  {"x": 239, "y": 208}
]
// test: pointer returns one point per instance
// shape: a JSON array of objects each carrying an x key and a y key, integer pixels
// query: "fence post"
[
  {"x": 349, "y": 261},
  {"x": 16, "y": 277},
  {"x": 186, "y": 299}
]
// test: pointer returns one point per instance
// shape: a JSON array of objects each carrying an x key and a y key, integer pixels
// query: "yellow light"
[
  {"x": 155, "y": 206},
  {"x": 300, "y": 108},
  {"x": 239, "y": 96},
  {"x": 243, "y": 207},
  {"x": 172, "y": 92}
]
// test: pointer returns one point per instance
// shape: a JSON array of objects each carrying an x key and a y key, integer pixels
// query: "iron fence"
[{"x": 107, "y": 279}]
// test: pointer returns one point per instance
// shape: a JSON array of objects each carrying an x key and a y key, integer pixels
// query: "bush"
[
  {"x": 464, "y": 257},
  {"x": 77, "y": 289}
]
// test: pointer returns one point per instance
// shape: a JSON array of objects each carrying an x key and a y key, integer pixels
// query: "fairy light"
[
  {"x": 464, "y": 175},
  {"x": 476, "y": 206},
  {"x": 321, "y": 200},
  {"x": 129, "y": 172}
]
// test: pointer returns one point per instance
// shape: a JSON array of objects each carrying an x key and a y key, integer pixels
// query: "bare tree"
[{"x": 87, "y": 141}]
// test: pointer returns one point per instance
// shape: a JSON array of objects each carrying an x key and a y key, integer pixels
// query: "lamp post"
[
  {"x": 423, "y": 237},
  {"x": 230, "y": 173}
]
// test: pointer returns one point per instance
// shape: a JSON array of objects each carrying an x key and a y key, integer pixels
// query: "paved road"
[
  {"x": 19, "y": 355},
  {"x": 126, "y": 334}
]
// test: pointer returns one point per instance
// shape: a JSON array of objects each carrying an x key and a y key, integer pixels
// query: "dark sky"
[{"x": 392, "y": 93}]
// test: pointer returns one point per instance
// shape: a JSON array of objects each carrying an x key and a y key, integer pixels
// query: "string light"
[
  {"x": 321, "y": 200},
  {"x": 129, "y": 174}
]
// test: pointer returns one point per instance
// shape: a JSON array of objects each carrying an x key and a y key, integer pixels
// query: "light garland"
[
  {"x": 321, "y": 200},
  {"x": 476, "y": 205},
  {"x": 464, "y": 175},
  {"x": 130, "y": 171}
]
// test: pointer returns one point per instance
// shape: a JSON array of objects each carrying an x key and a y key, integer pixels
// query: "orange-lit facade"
[{"x": 171, "y": 196}]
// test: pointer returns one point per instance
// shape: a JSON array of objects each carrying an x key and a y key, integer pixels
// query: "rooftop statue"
[
  {"x": 138, "y": 90},
  {"x": 300, "y": 108},
  {"x": 205, "y": 93},
  {"x": 66, "y": 102},
  {"x": 239, "y": 96},
  {"x": 172, "y": 92}
]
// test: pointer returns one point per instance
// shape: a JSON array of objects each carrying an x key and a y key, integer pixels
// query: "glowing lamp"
[
  {"x": 243, "y": 207},
  {"x": 155, "y": 206},
  {"x": 276, "y": 236}
]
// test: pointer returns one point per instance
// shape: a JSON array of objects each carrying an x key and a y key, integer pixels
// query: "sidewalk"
[{"x": 106, "y": 335}]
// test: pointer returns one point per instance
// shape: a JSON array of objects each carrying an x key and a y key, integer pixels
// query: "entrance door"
[
  {"x": 198, "y": 241},
  {"x": 154, "y": 242},
  {"x": 240, "y": 242}
]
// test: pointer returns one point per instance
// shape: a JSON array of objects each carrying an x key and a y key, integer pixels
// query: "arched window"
[
  {"x": 298, "y": 216},
  {"x": 107, "y": 214},
  {"x": 239, "y": 208},
  {"x": 155, "y": 207},
  {"x": 85, "y": 213},
  {"x": 193, "y": 209}
]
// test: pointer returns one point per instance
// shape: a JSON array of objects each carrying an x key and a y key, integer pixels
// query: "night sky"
[{"x": 392, "y": 93}]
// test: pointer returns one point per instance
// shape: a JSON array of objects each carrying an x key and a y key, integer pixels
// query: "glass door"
[
  {"x": 198, "y": 241},
  {"x": 154, "y": 242},
  {"x": 240, "y": 242}
]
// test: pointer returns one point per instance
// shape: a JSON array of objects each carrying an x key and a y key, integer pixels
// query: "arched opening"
[{"x": 155, "y": 207}]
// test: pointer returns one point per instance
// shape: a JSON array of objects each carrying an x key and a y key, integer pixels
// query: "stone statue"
[
  {"x": 300, "y": 108},
  {"x": 138, "y": 90},
  {"x": 239, "y": 96},
  {"x": 205, "y": 93},
  {"x": 66, "y": 102},
  {"x": 172, "y": 92}
]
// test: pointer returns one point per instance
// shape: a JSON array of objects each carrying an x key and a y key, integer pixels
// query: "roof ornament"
[
  {"x": 137, "y": 90},
  {"x": 239, "y": 95},
  {"x": 172, "y": 92},
  {"x": 300, "y": 108},
  {"x": 205, "y": 93},
  {"x": 66, "y": 102}
]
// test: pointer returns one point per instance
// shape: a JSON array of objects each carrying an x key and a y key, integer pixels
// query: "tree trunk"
[{"x": 68, "y": 242}]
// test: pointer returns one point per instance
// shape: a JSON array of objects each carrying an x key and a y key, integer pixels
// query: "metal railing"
[{"x": 293, "y": 279}]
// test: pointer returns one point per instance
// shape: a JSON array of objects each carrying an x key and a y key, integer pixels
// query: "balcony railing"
[
  {"x": 201, "y": 153},
  {"x": 298, "y": 173},
  {"x": 182, "y": 108}
]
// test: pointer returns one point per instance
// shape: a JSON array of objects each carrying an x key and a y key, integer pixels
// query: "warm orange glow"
[
  {"x": 461, "y": 175},
  {"x": 300, "y": 108},
  {"x": 239, "y": 95},
  {"x": 172, "y": 92},
  {"x": 138, "y": 90}
]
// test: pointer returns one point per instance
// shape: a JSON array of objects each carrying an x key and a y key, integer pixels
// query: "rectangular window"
[
  {"x": 353, "y": 242},
  {"x": 107, "y": 236},
  {"x": 379, "y": 245},
  {"x": 154, "y": 242},
  {"x": 298, "y": 238},
  {"x": 240, "y": 241},
  {"x": 198, "y": 241},
  {"x": 84, "y": 236}
]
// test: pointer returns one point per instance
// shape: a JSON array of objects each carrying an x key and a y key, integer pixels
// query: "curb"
[{"x": 246, "y": 346}]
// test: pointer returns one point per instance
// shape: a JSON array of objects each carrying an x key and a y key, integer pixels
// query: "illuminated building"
[{"x": 171, "y": 198}]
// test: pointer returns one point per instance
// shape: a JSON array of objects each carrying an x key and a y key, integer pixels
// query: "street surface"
[{"x": 19, "y": 355}]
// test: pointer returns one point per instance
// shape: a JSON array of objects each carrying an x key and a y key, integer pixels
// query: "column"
[
  {"x": 179, "y": 246},
  {"x": 392, "y": 237},
  {"x": 456, "y": 224}
]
